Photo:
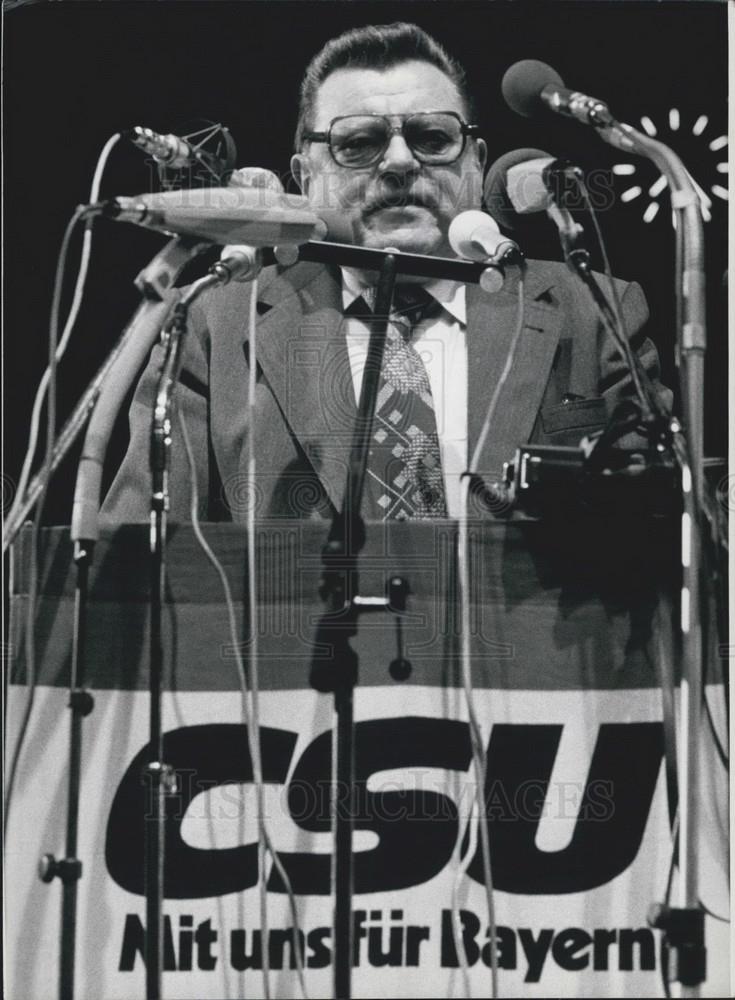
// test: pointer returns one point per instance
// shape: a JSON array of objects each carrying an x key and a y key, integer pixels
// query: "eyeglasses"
[{"x": 359, "y": 141}]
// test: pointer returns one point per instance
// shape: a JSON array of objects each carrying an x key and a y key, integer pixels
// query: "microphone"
[
  {"x": 255, "y": 216},
  {"x": 538, "y": 185},
  {"x": 205, "y": 156},
  {"x": 242, "y": 262},
  {"x": 528, "y": 185},
  {"x": 496, "y": 198},
  {"x": 531, "y": 88},
  {"x": 475, "y": 235},
  {"x": 170, "y": 150}
]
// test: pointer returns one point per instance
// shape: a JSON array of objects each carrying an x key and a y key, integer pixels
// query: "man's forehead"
[{"x": 400, "y": 89}]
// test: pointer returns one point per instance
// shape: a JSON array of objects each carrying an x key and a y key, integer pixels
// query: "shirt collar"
[{"x": 450, "y": 294}]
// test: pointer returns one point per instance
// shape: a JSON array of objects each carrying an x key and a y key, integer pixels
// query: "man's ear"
[
  {"x": 300, "y": 171},
  {"x": 481, "y": 146}
]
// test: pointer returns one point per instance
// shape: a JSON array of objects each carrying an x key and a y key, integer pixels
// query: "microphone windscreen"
[
  {"x": 523, "y": 83},
  {"x": 495, "y": 196},
  {"x": 474, "y": 235}
]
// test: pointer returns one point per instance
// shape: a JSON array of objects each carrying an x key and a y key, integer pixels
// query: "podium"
[{"x": 568, "y": 620}]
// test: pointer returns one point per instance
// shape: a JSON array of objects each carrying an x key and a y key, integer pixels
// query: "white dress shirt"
[{"x": 441, "y": 342}]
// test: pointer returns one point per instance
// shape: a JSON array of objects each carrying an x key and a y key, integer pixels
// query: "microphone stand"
[
  {"x": 102, "y": 399},
  {"x": 683, "y": 926},
  {"x": 336, "y": 669},
  {"x": 159, "y": 777}
]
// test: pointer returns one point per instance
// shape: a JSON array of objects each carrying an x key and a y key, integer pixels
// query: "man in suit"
[{"x": 386, "y": 136}]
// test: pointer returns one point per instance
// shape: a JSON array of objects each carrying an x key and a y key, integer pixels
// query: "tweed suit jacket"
[{"x": 567, "y": 376}]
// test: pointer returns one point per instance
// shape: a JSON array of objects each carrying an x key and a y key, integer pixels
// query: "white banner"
[{"x": 579, "y": 849}]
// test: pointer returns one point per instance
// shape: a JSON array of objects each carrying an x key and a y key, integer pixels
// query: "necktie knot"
[{"x": 411, "y": 304}]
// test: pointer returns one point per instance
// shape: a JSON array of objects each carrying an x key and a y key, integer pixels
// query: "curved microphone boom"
[{"x": 531, "y": 88}]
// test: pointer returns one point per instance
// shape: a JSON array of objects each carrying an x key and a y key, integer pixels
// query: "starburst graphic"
[{"x": 700, "y": 146}]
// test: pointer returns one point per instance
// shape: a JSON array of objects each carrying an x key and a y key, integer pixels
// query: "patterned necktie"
[{"x": 404, "y": 476}]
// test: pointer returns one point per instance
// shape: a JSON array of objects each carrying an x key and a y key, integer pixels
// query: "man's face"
[{"x": 398, "y": 201}]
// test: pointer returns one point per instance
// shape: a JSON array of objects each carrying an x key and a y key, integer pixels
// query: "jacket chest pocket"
[{"x": 571, "y": 420}]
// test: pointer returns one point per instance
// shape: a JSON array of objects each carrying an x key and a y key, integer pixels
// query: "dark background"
[{"x": 77, "y": 72}]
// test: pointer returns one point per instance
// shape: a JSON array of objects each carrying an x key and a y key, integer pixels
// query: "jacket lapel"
[
  {"x": 491, "y": 322},
  {"x": 302, "y": 350}
]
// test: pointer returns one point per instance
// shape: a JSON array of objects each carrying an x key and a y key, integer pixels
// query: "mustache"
[{"x": 397, "y": 199}]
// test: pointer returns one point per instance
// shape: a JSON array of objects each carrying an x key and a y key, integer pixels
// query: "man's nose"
[{"x": 398, "y": 157}]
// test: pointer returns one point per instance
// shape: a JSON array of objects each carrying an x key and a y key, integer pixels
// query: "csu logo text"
[{"x": 416, "y": 828}]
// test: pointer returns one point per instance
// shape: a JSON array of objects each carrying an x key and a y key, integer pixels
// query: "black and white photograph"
[{"x": 365, "y": 499}]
